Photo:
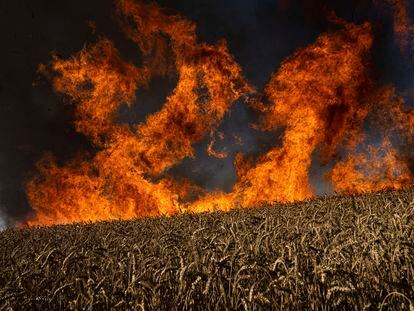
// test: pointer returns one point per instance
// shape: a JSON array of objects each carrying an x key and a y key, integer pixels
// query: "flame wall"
[{"x": 328, "y": 105}]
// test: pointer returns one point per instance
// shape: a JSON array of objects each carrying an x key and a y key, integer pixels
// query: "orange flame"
[
  {"x": 112, "y": 184},
  {"x": 211, "y": 152},
  {"x": 324, "y": 77},
  {"x": 321, "y": 96},
  {"x": 378, "y": 168},
  {"x": 403, "y": 29}
]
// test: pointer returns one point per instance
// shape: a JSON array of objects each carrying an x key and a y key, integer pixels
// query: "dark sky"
[{"x": 260, "y": 34}]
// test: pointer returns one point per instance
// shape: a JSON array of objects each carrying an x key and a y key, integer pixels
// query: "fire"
[
  {"x": 384, "y": 166},
  {"x": 211, "y": 151},
  {"x": 315, "y": 96},
  {"x": 403, "y": 29},
  {"x": 321, "y": 96},
  {"x": 378, "y": 168},
  {"x": 116, "y": 182}
]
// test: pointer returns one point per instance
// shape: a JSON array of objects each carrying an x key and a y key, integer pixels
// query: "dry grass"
[{"x": 349, "y": 253}]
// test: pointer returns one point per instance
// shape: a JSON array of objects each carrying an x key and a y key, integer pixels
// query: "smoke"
[{"x": 259, "y": 34}]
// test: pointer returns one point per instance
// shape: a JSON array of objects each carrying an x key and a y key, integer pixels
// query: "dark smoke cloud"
[{"x": 260, "y": 34}]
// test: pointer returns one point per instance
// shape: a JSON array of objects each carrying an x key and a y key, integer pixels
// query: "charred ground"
[{"x": 343, "y": 252}]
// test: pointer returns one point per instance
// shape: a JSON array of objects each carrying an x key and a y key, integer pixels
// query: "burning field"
[{"x": 319, "y": 214}]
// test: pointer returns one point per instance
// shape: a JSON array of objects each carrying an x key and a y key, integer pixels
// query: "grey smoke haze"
[{"x": 260, "y": 34}]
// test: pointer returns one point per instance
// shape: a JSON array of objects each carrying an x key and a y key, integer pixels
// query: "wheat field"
[{"x": 331, "y": 253}]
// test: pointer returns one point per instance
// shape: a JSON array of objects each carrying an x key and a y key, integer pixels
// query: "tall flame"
[
  {"x": 404, "y": 31},
  {"x": 115, "y": 182},
  {"x": 321, "y": 96},
  {"x": 315, "y": 95}
]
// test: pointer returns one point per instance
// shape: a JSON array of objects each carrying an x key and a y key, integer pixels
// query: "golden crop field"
[{"x": 340, "y": 253}]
